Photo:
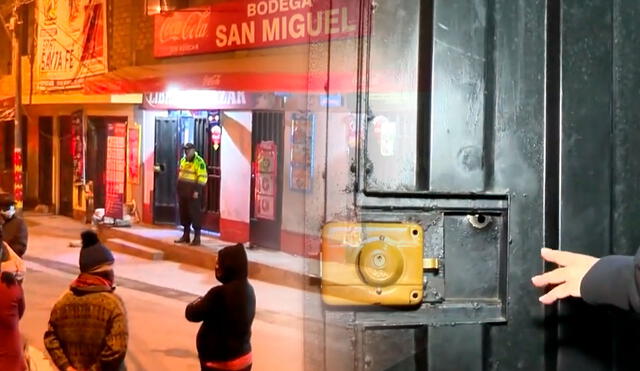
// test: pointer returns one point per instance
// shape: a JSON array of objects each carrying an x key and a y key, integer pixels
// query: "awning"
[
  {"x": 7, "y": 108},
  {"x": 283, "y": 72},
  {"x": 141, "y": 80},
  {"x": 284, "y": 69},
  {"x": 128, "y": 82}
]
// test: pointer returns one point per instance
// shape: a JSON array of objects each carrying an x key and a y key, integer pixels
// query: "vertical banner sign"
[
  {"x": 301, "y": 163},
  {"x": 17, "y": 178},
  {"x": 77, "y": 146},
  {"x": 115, "y": 171},
  {"x": 71, "y": 42},
  {"x": 133, "y": 157},
  {"x": 266, "y": 173}
]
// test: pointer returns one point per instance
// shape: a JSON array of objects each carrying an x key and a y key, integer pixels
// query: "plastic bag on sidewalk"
[{"x": 37, "y": 360}]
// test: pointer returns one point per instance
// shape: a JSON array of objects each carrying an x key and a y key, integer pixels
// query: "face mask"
[{"x": 8, "y": 213}]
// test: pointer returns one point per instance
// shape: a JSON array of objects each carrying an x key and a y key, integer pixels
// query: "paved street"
[{"x": 160, "y": 337}]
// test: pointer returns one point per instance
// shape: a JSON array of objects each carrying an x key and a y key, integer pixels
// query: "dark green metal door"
[{"x": 512, "y": 125}]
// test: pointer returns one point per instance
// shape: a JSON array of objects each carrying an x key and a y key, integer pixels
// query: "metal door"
[
  {"x": 211, "y": 155},
  {"x": 166, "y": 171},
  {"x": 96, "y": 158},
  {"x": 525, "y": 137},
  {"x": 45, "y": 154},
  {"x": 266, "y": 178},
  {"x": 64, "y": 169}
]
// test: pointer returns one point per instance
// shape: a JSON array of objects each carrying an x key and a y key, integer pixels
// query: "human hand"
[
  {"x": 195, "y": 195},
  {"x": 568, "y": 276}
]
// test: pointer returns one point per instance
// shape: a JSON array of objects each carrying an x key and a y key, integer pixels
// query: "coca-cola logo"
[{"x": 184, "y": 26}]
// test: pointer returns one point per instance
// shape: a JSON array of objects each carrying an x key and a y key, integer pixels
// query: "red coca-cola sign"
[
  {"x": 249, "y": 24},
  {"x": 180, "y": 33}
]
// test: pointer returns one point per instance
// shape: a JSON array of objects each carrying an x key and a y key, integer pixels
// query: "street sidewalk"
[
  {"x": 50, "y": 237},
  {"x": 49, "y": 249},
  {"x": 265, "y": 265}
]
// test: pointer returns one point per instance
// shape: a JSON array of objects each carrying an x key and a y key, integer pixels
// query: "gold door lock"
[
  {"x": 431, "y": 264},
  {"x": 372, "y": 263}
]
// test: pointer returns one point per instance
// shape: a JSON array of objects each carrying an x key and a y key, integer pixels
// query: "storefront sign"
[
  {"x": 133, "y": 150},
  {"x": 71, "y": 42},
  {"x": 248, "y": 24},
  {"x": 77, "y": 146},
  {"x": 301, "y": 164},
  {"x": 198, "y": 99},
  {"x": 266, "y": 175},
  {"x": 115, "y": 170}
]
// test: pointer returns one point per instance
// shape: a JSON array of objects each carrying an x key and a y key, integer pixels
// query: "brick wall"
[{"x": 130, "y": 33}]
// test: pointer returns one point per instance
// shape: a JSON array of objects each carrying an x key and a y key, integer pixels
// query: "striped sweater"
[{"x": 88, "y": 330}]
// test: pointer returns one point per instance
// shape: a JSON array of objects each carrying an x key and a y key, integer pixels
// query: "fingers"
[
  {"x": 556, "y": 276},
  {"x": 562, "y": 258},
  {"x": 559, "y": 292}
]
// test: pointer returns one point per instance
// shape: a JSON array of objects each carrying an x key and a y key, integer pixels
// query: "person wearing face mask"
[
  {"x": 12, "y": 306},
  {"x": 192, "y": 177},
  {"x": 14, "y": 227},
  {"x": 226, "y": 312}
]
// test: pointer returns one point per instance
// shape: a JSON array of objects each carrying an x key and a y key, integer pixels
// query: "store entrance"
[
  {"x": 171, "y": 134},
  {"x": 266, "y": 179}
]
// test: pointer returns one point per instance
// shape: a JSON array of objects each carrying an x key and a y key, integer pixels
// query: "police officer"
[
  {"x": 14, "y": 227},
  {"x": 192, "y": 177}
]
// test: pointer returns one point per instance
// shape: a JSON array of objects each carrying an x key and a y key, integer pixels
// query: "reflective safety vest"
[{"x": 193, "y": 171}]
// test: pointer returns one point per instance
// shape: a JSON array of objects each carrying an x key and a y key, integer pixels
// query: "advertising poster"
[
  {"x": 266, "y": 175},
  {"x": 115, "y": 170},
  {"x": 301, "y": 162},
  {"x": 133, "y": 153},
  {"x": 77, "y": 146},
  {"x": 71, "y": 43}
]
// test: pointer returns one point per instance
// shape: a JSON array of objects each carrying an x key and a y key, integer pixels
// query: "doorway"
[
  {"x": 45, "y": 154},
  {"x": 165, "y": 171},
  {"x": 266, "y": 178},
  {"x": 64, "y": 168},
  {"x": 211, "y": 156},
  {"x": 171, "y": 133}
]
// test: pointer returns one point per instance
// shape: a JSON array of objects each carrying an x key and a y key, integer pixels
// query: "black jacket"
[
  {"x": 14, "y": 232},
  {"x": 226, "y": 311},
  {"x": 614, "y": 280}
]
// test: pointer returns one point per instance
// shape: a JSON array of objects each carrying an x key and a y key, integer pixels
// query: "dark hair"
[
  {"x": 4, "y": 254},
  {"x": 8, "y": 278}
]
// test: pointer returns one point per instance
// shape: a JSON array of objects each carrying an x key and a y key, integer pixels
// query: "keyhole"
[{"x": 379, "y": 260}]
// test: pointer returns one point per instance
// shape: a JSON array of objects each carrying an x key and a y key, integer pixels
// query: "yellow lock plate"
[{"x": 372, "y": 263}]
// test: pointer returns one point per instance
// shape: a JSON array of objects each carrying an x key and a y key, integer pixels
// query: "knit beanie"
[{"x": 93, "y": 254}]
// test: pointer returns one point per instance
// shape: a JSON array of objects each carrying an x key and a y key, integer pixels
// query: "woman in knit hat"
[
  {"x": 11, "y": 310},
  {"x": 88, "y": 325}
]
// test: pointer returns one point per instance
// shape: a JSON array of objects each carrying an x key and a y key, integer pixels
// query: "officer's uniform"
[{"x": 192, "y": 177}]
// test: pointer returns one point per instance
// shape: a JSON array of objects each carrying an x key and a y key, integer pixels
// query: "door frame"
[
  {"x": 156, "y": 212},
  {"x": 258, "y": 227}
]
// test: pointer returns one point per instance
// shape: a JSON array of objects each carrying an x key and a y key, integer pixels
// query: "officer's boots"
[
  {"x": 185, "y": 235},
  {"x": 196, "y": 237}
]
